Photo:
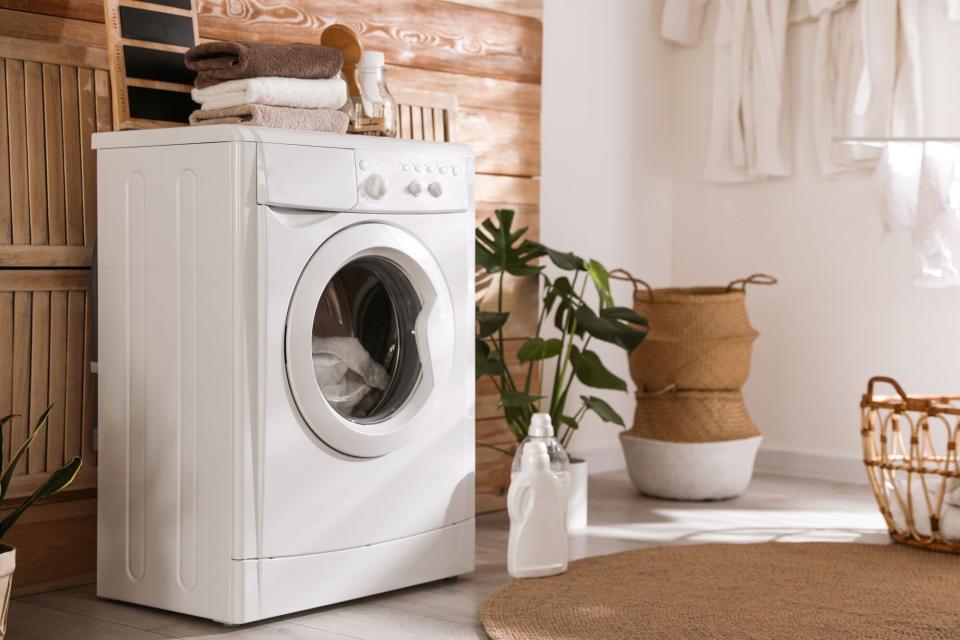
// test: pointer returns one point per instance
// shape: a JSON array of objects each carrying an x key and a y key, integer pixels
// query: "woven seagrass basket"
[
  {"x": 910, "y": 453},
  {"x": 692, "y": 416},
  {"x": 700, "y": 337}
]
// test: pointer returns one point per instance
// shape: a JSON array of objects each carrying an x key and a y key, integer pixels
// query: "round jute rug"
[{"x": 757, "y": 591}]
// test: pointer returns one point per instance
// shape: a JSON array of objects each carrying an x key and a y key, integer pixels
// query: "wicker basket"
[
  {"x": 700, "y": 337},
  {"x": 692, "y": 416},
  {"x": 910, "y": 453}
]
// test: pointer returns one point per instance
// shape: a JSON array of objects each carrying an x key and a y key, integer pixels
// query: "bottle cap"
[
  {"x": 371, "y": 59},
  {"x": 535, "y": 457},
  {"x": 540, "y": 426}
]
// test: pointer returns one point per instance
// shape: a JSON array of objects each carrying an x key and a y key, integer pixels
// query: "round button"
[
  {"x": 363, "y": 165},
  {"x": 415, "y": 188},
  {"x": 443, "y": 170},
  {"x": 430, "y": 169},
  {"x": 405, "y": 166},
  {"x": 418, "y": 168},
  {"x": 453, "y": 170},
  {"x": 375, "y": 186},
  {"x": 435, "y": 189}
]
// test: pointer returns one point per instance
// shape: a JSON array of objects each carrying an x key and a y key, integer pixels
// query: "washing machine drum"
[{"x": 363, "y": 340}]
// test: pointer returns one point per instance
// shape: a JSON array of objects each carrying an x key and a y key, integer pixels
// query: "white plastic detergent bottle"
[{"x": 537, "y": 505}]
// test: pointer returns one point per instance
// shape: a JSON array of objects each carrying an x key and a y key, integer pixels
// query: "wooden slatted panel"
[
  {"x": 47, "y": 168},
  {"x": 45, "y": 328}
]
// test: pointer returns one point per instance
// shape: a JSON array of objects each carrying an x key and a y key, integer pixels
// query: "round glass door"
[
  {"x": 364, "y": 343},
  {"x": 369, "y": 339}
]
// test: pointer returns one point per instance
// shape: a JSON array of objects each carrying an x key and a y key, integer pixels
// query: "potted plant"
[
  {"x": 58, "y": 480},
  {"x": 564, "y": 354}
]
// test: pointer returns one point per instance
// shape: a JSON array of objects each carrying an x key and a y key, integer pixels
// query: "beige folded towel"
[{"x": 260, "y": 115}]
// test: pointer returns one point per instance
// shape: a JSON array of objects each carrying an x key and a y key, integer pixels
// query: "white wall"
[
  {"x": 846, "y": 308},
  {"x": 624, "y": 135},
  {"x": 606, "y": 181}
]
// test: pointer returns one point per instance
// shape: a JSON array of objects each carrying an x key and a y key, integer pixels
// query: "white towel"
[{"x": 278, "y": 92}]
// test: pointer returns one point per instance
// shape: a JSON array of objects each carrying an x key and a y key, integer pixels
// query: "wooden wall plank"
[
  {"x": 505, "y": 143},
  {"x": 22, "y": 326},
  {"x": 88, "y": 451},
  {"x": 18, "y": 255},
  {"x": 56, "y": 543},
  {"x": 6, "y": 367},
  {"x": 57, "y": 393},
  {"x": 471, "y": 91},
  {"x": 36, "y": 162},
  {"x": 415, "y": 33},
  {"x": 72, "y": 164},
  {"x": 75, "y": 365},
  {"x": 51, "y": 29},
  {"x": 39, "y": 377},
  {"x": 53, "y": 143},
  {"x": 529, "y": 8},
  {"x": 94, "y": 56},
  {"x": 5, "y": 224},
  {"x": 493, "y": 477},
  {"x": 17, "y": 124},
  {"x": 506, "y": 190},
  {"x": 88, "y": 157},
  {"x": 30, "y": 280},
  {"x": 89, "y": 10}
]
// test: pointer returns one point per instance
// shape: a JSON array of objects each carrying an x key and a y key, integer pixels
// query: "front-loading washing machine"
[{"x": 285, "y": 375}]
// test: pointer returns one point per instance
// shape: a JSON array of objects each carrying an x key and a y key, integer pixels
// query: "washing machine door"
[{"x": 369, "y": 339}]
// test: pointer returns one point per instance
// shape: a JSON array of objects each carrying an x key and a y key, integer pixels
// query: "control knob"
[
  {"x": 415, "y": 188},
  {"x": 435, "y": 189},
  {"x": 375, "y": 186}
]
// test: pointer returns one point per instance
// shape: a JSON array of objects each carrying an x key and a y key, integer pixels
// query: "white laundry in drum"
[{"x": 346, "y": 373}]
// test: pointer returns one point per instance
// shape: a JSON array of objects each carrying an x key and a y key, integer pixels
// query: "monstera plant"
[{"x": 567, "y": 325}]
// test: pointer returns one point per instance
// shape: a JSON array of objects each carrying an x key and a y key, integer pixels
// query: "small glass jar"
[
  {"x": 541, "y": 430},
  {"x": 374, "y": 111}
]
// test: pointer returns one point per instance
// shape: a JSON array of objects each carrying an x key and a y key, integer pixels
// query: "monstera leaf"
[{"x": 500, "y": 249}]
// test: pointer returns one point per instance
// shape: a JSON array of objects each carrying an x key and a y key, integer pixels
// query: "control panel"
[{"x": 411, "y": 183}]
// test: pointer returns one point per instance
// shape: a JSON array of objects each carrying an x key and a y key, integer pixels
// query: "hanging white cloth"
[
  {"x": 867, "y": 79},
  {"x": 896, "y": 185},
  {"x": 936, "y": 238},
  {"x": 749, "y": 132}
]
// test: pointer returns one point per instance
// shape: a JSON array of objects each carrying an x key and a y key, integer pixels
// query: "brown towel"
[
  {"x": 260, "y": 115},
  {"x": 216, "y": 62}
]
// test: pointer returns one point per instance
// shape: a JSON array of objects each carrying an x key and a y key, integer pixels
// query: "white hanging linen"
[
  {"x": 953, "y": 10},
  {"x": 866, "y": 80},
  {"x": 749, "y": 133},
  {"x": 936, "y": 238},
  {"x": 896, "y": 185}
]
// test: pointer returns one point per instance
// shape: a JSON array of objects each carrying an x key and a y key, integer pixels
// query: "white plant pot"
[
  {"x": 690, "y": 470},
  {"x": 577, "y": 500},
  {"x": 8, "y": 562}
]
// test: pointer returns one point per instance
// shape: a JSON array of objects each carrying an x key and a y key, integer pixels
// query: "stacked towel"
[{"x": 292, "y": 86}]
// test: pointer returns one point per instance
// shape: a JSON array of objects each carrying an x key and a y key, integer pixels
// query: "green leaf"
[
  {"x": 564, "y": 260},
  {"x": 591, "y": 372},
  {"x": 620, "y": 334},
  {"x": 510, "y": 399},
  {"x": 570, "y": 422},
  {"x": 487, "y": 363},
  {"x": 539, "y": 349},
  {"x": 500, "y": 248},
  {"x": 602, "y": 409},
  {"x": 624, "y": 313},
  {"x": 58, "y": 480},
  {"x": 559, "y": 288},
  {"x": 489, "y": 322},
  {"x": 11, "y": 467},
  {"x": 601, "y": 282}
]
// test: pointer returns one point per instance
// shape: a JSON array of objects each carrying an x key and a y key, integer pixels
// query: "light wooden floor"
[{"x": 775, "y": 508}]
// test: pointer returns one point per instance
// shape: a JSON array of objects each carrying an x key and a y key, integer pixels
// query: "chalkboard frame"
[{"x": 159, "y": 29}]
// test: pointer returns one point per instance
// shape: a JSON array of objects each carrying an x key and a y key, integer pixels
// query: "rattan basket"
[
  {"x": 700, "y": 337},
  {"x": 910, "y": 453}
]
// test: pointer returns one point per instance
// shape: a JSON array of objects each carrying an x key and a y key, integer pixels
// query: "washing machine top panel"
[{"x": 305, "y": 170}]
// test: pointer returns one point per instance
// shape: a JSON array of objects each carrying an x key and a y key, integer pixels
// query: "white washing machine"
[{"x": 285, "y": 368}]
